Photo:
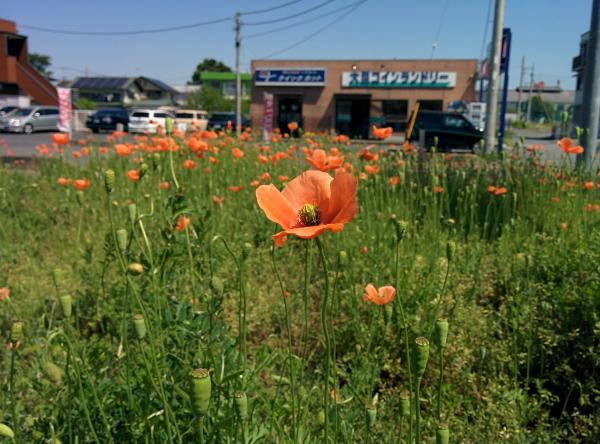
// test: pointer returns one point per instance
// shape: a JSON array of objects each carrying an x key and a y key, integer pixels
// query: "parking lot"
[{"x": 23, "y": 145}]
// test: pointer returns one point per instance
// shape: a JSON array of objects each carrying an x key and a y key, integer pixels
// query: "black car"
[
  {"x": 219, "y": 121},
  {"x": 107, "y": 119},
  {"x": 453, "y": 131}
]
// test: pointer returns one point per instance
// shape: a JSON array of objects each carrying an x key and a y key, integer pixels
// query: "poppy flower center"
[{"x": 309, "y": 215}]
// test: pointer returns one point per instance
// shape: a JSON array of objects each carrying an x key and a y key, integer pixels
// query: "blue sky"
[{"x": 546, "y": 32}]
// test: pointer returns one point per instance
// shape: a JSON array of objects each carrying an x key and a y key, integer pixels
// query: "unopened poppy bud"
[
  {"x": 387, "y": 313},
  {"x": 53, "y": 372},
  {"x": 401, "y": 227},
  {"x": 6, "y": 431},
  {"x": 217, "y": 285},
  {"x": 66, "y": 303},
  {"x": 441, "y": 332},
  {"x": 246, "y": 250},
  {"x": 132, "y": 209},
  {"x": 371, "y": 415},
  {"x": 143, "y": 169},
  {"x": 16, "y": 331},
  {"x": 321, "y": 417},
  {"x": 79, "y": 196},
  {"x": 421, "y": 355},
  {"x": 122, "y": 239},
  {"x": 343, "y": 258},
  {"x": 241, "y": 404},
  {"x": 140, "y": 326},
  {"x": 109, "y": 180},
  {"x": 135, "y": 269},
  {"x": 450, "y": 250},
  {"x": 442, "y": 434},
  {"x": 200, "y": 391},
  {"x": 57, "y": 276},
  {"x": 404, "y": 404}
]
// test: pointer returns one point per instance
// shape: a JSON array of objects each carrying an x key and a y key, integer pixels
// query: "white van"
[{"x": 147, "y": 120}]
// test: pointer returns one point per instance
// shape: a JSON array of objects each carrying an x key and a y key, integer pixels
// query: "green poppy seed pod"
[
  {"x": 442, "y": 434},
  {"x": 404, "y": 404},
  {"x": 420, "y": 355},
  {"x": 79, "y": 196},
  {"x": 57, "y": 276},
  {"x": 143, "y": 169},
  {"x": 132, "y": 209},
  {"x": 450, "y": 250},
  {"x": 6, "y": 431},
  {"x": 53, "y": 372},
  {"x": 140, "y": 326},
  {"x": 387, "y": 313},
  {"x": 321, "y": 417},
  {"x": 401, "y": 228},
  {"x": 200, "y": 391},
  {"x": 109, "y": 180},
  {"x": 441, "y": 332},
  {"x": 241, "y": 404},
  {"x": 217, "y": 285},
  {"x": 122, "y": 239},
  {"x": 66, "y": 303},
  {"x": 371, "y": 415},
  {"x": 16, "y": 331},
  {"x": 135, "y": 269}
]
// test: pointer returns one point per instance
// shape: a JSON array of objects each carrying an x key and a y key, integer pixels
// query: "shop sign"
[
  {"x": 289, "y": 77},
  {"x": 398, "y": 79}
]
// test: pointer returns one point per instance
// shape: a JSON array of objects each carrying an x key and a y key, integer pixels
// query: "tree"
[
  {"x": 83, "y": 103},
  {"x": 209, "y": 65},
  {"x": 211, "y": 100},
  {"x": 41, "y": 63},
  {"x": 541, "y": 110}
]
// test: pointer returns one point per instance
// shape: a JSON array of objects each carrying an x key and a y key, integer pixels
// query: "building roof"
[
  {"x": 564, "y": 96},
  {"x": 103, "y": 83},
  {"x": 207, "y": 75}
]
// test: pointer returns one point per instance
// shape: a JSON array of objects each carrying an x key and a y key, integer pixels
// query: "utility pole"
[
  {"x": 520, "y": 89},
  {"x": 591, "y": 89},
  {"x": 531, "y": 77},
  {"x": 238, "y": 77},
  {"x": 493, "y": 83}
]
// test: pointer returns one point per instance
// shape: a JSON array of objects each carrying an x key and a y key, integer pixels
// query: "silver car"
[{"x": 30, "y": 119}]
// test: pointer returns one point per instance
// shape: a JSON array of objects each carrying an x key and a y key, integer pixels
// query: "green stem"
[
  {"x": 171, "y": 166},
  {"x": 324, "y": 321},
  {"x": 418, "y": 410},
  {"x": 305, "y": 300},
  {"x": 439, "y": 391},
  {"x": 11, "y": 383}
]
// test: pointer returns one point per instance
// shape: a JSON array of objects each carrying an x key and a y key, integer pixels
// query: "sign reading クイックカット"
[
  {"x": 289, "y": 77},
  {"x": 398, "y": 79}
]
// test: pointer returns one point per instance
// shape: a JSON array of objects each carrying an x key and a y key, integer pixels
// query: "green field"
[{"x": 158, "y": 310}]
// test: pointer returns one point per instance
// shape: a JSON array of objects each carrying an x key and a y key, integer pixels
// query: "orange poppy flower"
[
  {"x": 564, "y": 226},
  {"x": 254, "y": 183},
  {"x": 588, "y": 185},
  {"x": 310, "y": 204},
  {"x": 394, "y": 180},
  {"x": 134, "y": 175},
  {"x": 182, "y": 223},
  {"x": 81, "y": 184},
  {"x": 438, "y": 189},
  {"x": 218, "y": 200},
  {"x": 189, "y": 164},
  {"x": 566, "y": 144},
  {"x": 321, "y": 161},
  {"x": 367, "y": 155},
  {"x": 283, "y": 178},
  {"x": 4, "y": 293},
  {"x": 363, "y": 176},
  {"x": 123, "y": 150},
  {"x": 380, "y": 296},
  {"x": 500, "y": 191},
  {"x": 262, "y": 159},
  {"x": 60, "y": 138},
  {"x": 63, "y": 181},
  {"x": 341, "y": 138},
  {"x": 103, "y": 150},
  {"x": 265, "y": 176},
  {"x": 292, "y": 126},
  {"x": 372, "y": 169},
  {"x": 164, "y": 185},
  {"x": 76, "y": 154},
  {"x": 235, "y": 188},
  {"x": 382, "y": 133},
  {"x": 535, "y": 147},
  {"x": 85, "y": 151},
  {"x": 213, "y": 160},
  {"x": 197, "y": 145},
  {"x": 237, "y": 153}
]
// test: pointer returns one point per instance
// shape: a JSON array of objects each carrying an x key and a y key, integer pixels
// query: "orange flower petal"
[
  {"x": 310, "y": 187},
  {"x": 276, "y": 206},
  {"x": 306, "y": 232},
  {"x": 386, "y": 294},
  {"x": 342, "y": 205}
]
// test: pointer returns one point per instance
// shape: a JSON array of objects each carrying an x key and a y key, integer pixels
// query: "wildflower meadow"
[{"x": 213, "y": 288}]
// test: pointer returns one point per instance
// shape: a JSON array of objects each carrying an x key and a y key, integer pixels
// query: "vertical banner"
[
  {"x": 505, "y": 60},
  {"x": 267, "y": 115},
  {"x": 64, "y": 109}
]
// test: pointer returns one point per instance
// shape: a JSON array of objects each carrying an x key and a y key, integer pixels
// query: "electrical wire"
[
  {"x": 294, "y": 25},
  {"x": 317, "y": 32},
  {"x": 439, "y": 30},
  {"x": 274, "y": 8},
  {"x": 485, "y": 31},
  {"x": 297, "y": 14}
]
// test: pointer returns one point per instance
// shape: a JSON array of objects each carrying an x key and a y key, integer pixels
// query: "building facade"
[
  {"x": 224, "y": 82},
  {"x": 349, "y": 96},
  {"x": 578, "y": 67}
]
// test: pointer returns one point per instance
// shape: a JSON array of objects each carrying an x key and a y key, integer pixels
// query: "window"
[
  {"x": 160, "y": 115},
  {"x": 52, "y": 112},
  {"x": 455, "y": 122},
  {"x": 431, "y": 105},
  {"x": 395, "y": 113},
  {"x": 184, "y": 115},
  {"x": 140, "y": 114}
]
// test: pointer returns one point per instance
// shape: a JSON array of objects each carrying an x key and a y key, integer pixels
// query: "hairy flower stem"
[
  {"x": 442, "y": 294},
  {"x": 289, "y": 337},
  {"x": 172, "y": 168},
  {"x": 406, "y": 346},
  {"x": 305, "y": 299},
  {"x": 418, "y": 410},
  {"x": 11, "y": 384},
  {"x": 324, "y": 321},
  {"x": 439, "y": 391}
]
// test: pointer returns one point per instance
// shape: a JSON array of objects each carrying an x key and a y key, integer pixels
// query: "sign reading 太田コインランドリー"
[
  {"x": 398, "y": 79},
  {"x": 289, "y": 77}
]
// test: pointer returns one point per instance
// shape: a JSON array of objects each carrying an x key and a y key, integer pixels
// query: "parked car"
[
  {"x": 7, "y": 110},
  {"x": 219, "y": 120},
  {"x": 452, "y": 130},
  {"x": 107, "y": 119},
  {"x": 147, "y": 120},
  {"x": 192, "y": 119},
  {"x": 33, "y": 118}
]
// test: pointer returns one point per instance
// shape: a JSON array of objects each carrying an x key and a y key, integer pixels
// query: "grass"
[{"x": 120, "y": 311}]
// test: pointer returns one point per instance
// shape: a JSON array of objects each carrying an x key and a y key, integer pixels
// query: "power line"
[
  {"x": 135, "y": 32},
  {"x": 297, "y": 14},
  {"x": 261, "y": 11},
  {"x": 439, "y": 30},
  {"x": 317, "y": 32},
  {"x": 309, "y": 20},
  {"x": 485, "y": 31}
]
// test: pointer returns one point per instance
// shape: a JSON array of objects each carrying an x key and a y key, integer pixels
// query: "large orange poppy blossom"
[
  {"x": 310, "y": 204},
  {"x": 321, "y": 161},
  {"x": 380, "y": 296},
  {"x": 566, "y": 144}
]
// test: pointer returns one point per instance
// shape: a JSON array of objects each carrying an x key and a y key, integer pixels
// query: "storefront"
[{"x": 350, "y": 96}]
